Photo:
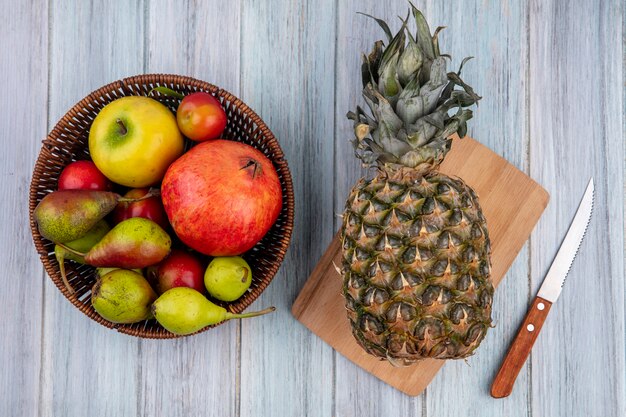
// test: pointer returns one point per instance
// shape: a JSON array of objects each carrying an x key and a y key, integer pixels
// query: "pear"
[
  {"x": 64, "y": 216},
  {"x": 183, "y": 310},
  {"x": 123, "y": 296},
  {"x": 133, "y": 243},
  {"x": 82, "y": 244},
  {"x": 100, "y": 272}
]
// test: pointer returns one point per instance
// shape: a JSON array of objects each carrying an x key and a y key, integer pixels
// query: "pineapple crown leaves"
[{"x": 411, "y": 98}]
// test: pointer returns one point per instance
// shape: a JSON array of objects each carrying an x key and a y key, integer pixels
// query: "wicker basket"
[{"x": 68, "y": 142}]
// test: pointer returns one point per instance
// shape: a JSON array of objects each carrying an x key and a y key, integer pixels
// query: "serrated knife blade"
[
  {"x": 555, "y": 278},
  {"x": 548, "y": 294}
]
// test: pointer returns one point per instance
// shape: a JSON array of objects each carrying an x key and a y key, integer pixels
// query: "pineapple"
[{"x": 415, "y": 247}]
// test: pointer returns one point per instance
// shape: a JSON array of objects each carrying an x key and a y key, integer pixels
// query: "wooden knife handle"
[{"x": 520, "y": 349}]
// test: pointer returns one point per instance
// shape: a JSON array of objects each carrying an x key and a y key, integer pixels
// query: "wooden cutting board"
[{"x": 512, "y": 203}]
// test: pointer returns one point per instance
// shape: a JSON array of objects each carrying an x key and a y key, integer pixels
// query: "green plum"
[{"x": 227, "y": 277}]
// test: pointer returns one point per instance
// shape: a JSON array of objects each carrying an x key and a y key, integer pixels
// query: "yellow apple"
[{"x": 133, "y": 140}]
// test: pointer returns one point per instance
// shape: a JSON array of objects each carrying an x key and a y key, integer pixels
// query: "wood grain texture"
[
  {"x": 577, "y": 364},
  {"x": 495, "y": 33},
  {"x": 180, "y": 377},
  {"x": 511, "y": 202},
  {"x": 196, "y": 38},
  {"x": 23, "y": 121},
  {"x": 358, "y": 392},
  {"x": 286, "y": 76},
  {"x": 520, "y": 349},
  {"x": 87, "y": 368}
]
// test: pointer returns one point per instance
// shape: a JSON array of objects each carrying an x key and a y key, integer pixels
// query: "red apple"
[
  {"x": 200, "y": 117},
  {"x": 150, "y": 208},
  {"x": 179, "y": 269},
  {"x": 221, "y": 197},
  {"x": 83, "y": 175}
]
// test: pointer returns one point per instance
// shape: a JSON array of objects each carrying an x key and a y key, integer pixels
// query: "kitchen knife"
[{"x": 547, "y": 295}]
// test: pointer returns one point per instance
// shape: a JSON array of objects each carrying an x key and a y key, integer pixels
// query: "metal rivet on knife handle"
[{"x": 520, "y": 349}]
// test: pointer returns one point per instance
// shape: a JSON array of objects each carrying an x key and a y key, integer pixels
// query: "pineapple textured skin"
[{"x": 416, "y": 267}]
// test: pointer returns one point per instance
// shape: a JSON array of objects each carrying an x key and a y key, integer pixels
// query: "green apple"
[{"x": 133, "y": 140}]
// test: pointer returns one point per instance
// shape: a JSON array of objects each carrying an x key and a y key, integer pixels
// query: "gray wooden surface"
[{"x": 552, "y": 77}]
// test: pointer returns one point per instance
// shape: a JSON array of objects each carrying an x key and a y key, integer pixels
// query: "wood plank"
[
  {"x": 357, "y": 392},
  {"x": 576, "y": 97},
  {"x": 23, "y": 68},
  {"x": 512, "y": 203},
  {"x": 498, "y": 74},
  {"x": 88, "y": 369},
  {"x": 196, "y": 38},
  {"x": 495, "y": 33},
  {"x": 202, "y": 369},
  {"x": 287, "y": 66}
]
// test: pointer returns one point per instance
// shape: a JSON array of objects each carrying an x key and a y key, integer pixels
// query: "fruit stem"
[
  {"x": 153, "y": 192},
  {"x": 75, "y": 252},
  {"x": 253, "y": 314},
  {"x": 61, "y": 262},
  {"x": 123, "y": 129},
  {"x": 167, "y": 92}
]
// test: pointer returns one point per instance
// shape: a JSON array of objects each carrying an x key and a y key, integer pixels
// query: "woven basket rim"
[{"x": 125, "y": 87}]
